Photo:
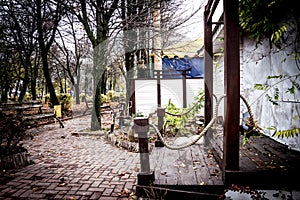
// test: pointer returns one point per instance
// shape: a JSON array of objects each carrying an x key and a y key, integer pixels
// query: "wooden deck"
[
  {"x": 264, "y": 163},
  {"x": 196, "y": 172},
  {"x": 187, "y": 173},
  {"x": 194, "y": 165}
]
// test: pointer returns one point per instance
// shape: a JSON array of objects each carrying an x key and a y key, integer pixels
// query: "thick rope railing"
[
  {"x": 199, "y": 136},
  {"x": 253, "y": 126}
]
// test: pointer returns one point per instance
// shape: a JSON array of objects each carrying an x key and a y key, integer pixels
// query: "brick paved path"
[{"x": 71, "y": 166}]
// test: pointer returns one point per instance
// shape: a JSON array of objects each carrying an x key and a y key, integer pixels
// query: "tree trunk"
[
  {"x": 76, "y": 86},
  {"x": 34, "y": 77},
  {"x": 24, "y": 84},
  {"x": 33, "y": 82},
  {"x": 103, "y": 83},
  {"x": 98, "y": 69},
  {"x": 51, "y": 90},
  {"x": 96, "y": 111},
  {"x": 5, "y": 89},
  {"x": 129, "y": 64},
  {"x": 45, "y": 46}
]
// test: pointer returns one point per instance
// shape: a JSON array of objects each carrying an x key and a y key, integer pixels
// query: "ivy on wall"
[
  {"x": 263, "y": 19},
  {"x": 278, "y": 21}
]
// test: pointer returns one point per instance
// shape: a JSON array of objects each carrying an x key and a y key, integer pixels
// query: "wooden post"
[
  {"x": 232, "y": 86},
  {"x": 158, "y": 89},
  {"x": 157, "y": 42},
  {"x": 208, "y": 67},
  {"x": 208, "y": 73},
  {"x": 145, "y": 177},
  {"x": 184, "y": 88},
  {"x": 141, "y": 127},
  {"x": 132, "y": 99},
  {"x": 160, "y": 115}
]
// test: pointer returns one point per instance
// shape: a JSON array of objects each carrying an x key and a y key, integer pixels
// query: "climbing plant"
[
  {"x": 262, "y": 19},
  {"x": 180, "y": 116},
  {"x": 277, "y": 21}
]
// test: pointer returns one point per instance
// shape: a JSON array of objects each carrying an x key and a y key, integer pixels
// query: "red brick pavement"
[{"x": 72, "y": 166}]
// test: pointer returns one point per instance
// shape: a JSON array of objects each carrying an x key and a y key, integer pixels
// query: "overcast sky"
[{"x": 195, "y": 25}]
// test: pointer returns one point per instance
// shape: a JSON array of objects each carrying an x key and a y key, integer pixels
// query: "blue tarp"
[{"x": 195, "y": 67}]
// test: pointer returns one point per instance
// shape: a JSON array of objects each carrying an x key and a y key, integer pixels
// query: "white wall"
[
  {"x": 257, "y": 64},
  {"x": 146, "y": 93}
]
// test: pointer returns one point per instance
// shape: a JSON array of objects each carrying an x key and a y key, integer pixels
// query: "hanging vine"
[
  {"x": 277, "y": 21},
  {"x": 262, "y": 19}
]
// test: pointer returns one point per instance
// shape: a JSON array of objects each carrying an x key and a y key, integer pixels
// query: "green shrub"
[
  {"x": 110, "y": 95},
  {"x": 104, "y": 98},
  {"x": 178, "y": 121},
  {"x": 27, "y": 97},
  {"x": 65, "y": 100}
]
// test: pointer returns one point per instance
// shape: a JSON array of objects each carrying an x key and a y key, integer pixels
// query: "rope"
[
  {"x": 250, "y": 122},
  {"x": 253, "y": 126},
  {"x": 196, "y": 139},
  {"x": 185, "y": 113}
]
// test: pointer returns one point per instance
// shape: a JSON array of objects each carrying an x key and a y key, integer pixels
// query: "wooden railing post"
[
  {"x": 145, "y": 177},
  {"x": 158, "y": 88},
  {"x": 184, "y": 102},
  {"x": 160, "y": 124},
  {"x": 141, "y": 127}
]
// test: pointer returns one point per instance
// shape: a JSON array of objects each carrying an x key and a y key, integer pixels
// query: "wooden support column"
[
  {"x": 145, "y": 177},
  {"x": 208, "y": 67},
  {"x": 160, "y": 124},
  {"x": 184, "y": 103},
  {"x": 132, "y": 110},
  {"x": 208, "y": 72},
  {"x": 232, "y": 85},
  {"x": 158, "y": 88}
]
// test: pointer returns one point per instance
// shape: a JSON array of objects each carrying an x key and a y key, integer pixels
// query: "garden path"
[{"x": 70, "y": 164}]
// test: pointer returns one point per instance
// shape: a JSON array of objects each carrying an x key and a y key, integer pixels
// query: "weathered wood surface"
[
  {"x": 263, "y": 163},
  {"x": 194, "y": 165}
]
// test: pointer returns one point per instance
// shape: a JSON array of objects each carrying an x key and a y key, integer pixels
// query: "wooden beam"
[
  {"x": 208, "y": 68},
  {"x": 210, "y": 9},
  {"x": 159, "y": 73},
  {"x": 132, "y": 98},
  {"x": 232, "y": 85},
  {"x": 184, "y": 101}
]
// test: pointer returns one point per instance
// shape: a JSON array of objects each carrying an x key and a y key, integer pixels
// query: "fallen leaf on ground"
[
  {"x": 125, "y": 191},
  {"x": 121, "y": 174}
]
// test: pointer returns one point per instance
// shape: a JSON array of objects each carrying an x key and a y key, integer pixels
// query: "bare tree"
[
  {"x": 48, "y": 15},
  {"x": 95, "y": 17},
  {"x": 70, "y": 50},
  {"x": 21, "y": 29}
]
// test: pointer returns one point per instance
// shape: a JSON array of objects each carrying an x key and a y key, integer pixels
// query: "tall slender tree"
[
  {"x": 95, "y": 17},
  {"x": 22, "y": 27},
  {"x": 48, "y": 15}
]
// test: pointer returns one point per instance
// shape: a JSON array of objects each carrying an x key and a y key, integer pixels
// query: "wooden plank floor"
[
  {"x": 264, "y": 163},
  {"x": 194, "y": 165}
]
